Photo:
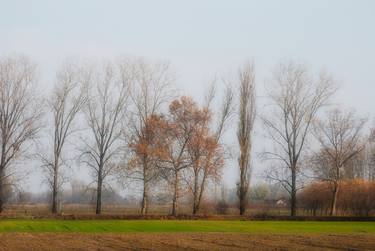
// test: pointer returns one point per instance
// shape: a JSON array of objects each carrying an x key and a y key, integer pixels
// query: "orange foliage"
[
  {"x": 356, "y": 197},
  {"x": 181, "y": 140},
  {"x": 204, "y": 150},
  {"x": 150, "y": 141}
]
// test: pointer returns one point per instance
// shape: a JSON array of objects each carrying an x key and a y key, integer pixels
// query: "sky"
[{"x": 201, "y": 40}]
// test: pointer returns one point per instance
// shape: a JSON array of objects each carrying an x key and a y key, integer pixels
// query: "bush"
[{"x": 356, "y": 197}]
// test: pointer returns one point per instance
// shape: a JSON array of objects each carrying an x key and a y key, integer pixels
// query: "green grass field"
[{"x": 134, "y": 226}]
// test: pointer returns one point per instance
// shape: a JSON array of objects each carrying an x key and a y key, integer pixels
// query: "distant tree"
[
  {"x": 23, "y": 197},
  {"x": 222, "y": 205},
  {"x": 297, "y": 97},
  {"x": 341, "y": 141},
  {"x": 355, "y": 168},
  {"x": 245, "y": 128},
  {"x": 259, "y": 192},
  {"x": 20, "y": 115},
  {"x": 79, "y": 192}
]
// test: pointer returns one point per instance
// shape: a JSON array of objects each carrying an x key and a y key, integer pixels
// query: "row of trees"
[
  {"x": 128, "y": 131},
  {"x": 130, "y": 125}
]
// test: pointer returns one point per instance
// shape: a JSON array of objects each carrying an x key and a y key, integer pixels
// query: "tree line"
[{"x": 126, "y": 122}]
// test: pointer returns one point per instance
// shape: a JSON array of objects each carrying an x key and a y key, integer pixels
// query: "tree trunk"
[
  {"x": 242, "y": 192},
  {"x": 144, "y": 206},
  {"x": 99, "y": 191},
  {"x": 195, "y": 194},
  {"x": 242, "y": 200},
  {"x": 175, "y": 195},
  {"x": 195, "y": 209},
  {"x": 2, "y": 200},
  {"x": 54, "y": 190},
  {"x": 293, "y": 197},
  {"x": 334, "y": 199},
  {"x": 2, "y": 177},
  {"x": 200, "y": 193},
  {"x": 242, "y": 207}
]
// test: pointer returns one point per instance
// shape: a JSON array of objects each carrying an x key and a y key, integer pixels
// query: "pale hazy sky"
[{"x": 202, "y": 39}]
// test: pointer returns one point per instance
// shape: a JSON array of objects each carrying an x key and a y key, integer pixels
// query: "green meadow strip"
[{"x": 152, "y": 226}]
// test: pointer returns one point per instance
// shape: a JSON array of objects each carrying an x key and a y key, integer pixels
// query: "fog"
[{"x": 202, "y": 41}]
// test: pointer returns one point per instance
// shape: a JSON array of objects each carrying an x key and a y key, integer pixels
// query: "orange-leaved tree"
[{"x": 148, "y": 149}]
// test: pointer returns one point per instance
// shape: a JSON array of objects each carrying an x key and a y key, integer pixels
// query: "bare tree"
[
  {"x": 20, "y": 114},
  {"x": 247, "y": 111},
  {"x": 341, "y": 141},
  {"x": 297, "y": 98},
  {"x": 105, "y": 111},
  {"x": 66, "y": 101},
  {"x": 152, "y": 88}
]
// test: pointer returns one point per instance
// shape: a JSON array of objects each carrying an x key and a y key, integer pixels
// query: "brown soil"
[{"x": 182, "y": 241}]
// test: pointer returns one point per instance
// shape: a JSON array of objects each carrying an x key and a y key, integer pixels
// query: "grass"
[{"x": 154, "y": 226}]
